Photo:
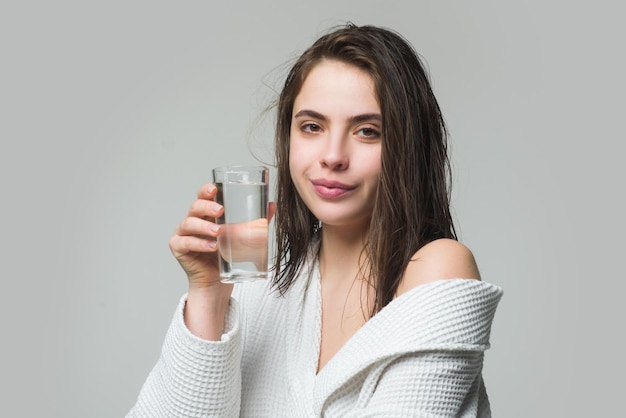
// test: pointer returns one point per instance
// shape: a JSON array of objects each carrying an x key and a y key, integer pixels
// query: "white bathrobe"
[{"x": 420, "y": 356}]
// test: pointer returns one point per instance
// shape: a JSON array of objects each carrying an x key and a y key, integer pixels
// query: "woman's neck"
[{"x": 341, "y": 252}]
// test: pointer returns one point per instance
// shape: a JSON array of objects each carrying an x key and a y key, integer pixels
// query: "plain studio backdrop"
[{"x": 113, "y": 114}]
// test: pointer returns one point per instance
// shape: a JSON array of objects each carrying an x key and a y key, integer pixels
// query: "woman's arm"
[
  {"x": 194, "y": 377},
  {"x": 198, "y": 371}
]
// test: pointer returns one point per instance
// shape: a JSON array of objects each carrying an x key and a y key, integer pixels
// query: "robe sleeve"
[
  {"x": 428, "y": 384},
  {"x": 194, "y": 377}
]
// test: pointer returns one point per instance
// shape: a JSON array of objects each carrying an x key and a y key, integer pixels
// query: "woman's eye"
[
  {"x": 369, "y": 133},
  {"x": 311, "y": 128}
]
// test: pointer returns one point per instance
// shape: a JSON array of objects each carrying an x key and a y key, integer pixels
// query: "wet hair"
[{"x": 412, "y": 201}]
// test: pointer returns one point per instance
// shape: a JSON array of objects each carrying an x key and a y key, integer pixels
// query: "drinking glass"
[{"x": 243, "y": 239}]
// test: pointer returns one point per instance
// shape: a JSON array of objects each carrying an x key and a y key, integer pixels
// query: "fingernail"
[
  {"x": 215, "y": 228},
  {"x": 210, "y": 188},
  {"x": 212, "y": 244}
]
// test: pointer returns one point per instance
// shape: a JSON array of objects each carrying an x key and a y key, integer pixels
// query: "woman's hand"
[
  {"x": 245, "y": 241},
  {"x": 194, "y": 244}
]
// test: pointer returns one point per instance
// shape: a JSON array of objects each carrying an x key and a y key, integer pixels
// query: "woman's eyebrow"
[
  {"x": 353, "y": 119},
  {"x": 310, "y": 113},
  {"x": 366, "y": 117}
]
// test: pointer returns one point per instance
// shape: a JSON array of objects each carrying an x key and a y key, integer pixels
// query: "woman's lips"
[{"x": 331, "y": 189}]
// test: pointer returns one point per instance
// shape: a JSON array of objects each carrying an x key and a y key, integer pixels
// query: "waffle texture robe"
[{"x": 420, "y": 356}]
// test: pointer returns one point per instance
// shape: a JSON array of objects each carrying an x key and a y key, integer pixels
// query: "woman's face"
[{"x": 335, "y": 144}]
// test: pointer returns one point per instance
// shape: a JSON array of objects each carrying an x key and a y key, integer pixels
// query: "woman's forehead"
[{"x": 337, "y": 87}]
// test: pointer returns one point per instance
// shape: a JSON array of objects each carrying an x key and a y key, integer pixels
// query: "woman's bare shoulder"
[{"x": 439, "y": 260}]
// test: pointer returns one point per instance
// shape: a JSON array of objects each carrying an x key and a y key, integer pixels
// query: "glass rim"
[{"x": 240, "y": 168}]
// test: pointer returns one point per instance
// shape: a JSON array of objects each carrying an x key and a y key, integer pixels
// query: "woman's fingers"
[
  {"x": 196, "y": 226},
  {"x": 202, "y": 208},
  {"x": 205, "y": 206},
  {"x": 207, "y": 191},
  {"x": 271, "y": 210},
  {"x": 181, "y": 245},
  {"x": 197, "y": 233}
]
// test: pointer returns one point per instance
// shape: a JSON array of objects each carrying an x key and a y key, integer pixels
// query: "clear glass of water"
[{"x": 243, "y": 240}]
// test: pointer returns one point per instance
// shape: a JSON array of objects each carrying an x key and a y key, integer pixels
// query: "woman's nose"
[{"x": 335, "y": 154}]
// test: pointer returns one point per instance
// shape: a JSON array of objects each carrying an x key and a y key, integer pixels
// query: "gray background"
[{"x": 113, "y": 113}]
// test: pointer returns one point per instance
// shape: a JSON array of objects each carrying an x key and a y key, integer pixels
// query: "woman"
[{"x": 374, "y": 309}]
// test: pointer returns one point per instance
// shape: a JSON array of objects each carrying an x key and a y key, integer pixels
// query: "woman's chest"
[{"x": 344, "y": 310}]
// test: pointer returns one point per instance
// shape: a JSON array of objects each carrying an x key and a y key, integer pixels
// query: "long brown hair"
[{"x": 412, "y": 203}]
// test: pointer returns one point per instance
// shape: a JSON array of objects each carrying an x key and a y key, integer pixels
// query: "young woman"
[{"x": 374, "y": 308}]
